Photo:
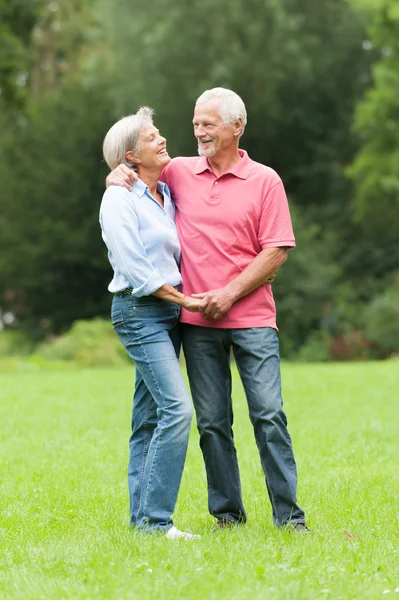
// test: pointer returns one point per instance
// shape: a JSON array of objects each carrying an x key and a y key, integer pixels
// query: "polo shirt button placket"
[{"x": 215, "y": 191}]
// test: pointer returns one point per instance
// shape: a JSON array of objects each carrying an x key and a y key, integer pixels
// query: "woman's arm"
[{"x": 168, "y": 292}]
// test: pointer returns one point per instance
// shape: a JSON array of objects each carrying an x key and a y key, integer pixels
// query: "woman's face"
[{"x": 152, "y": 150}]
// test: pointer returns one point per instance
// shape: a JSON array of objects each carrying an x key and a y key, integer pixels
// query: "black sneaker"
[
  {"x": 301, "y": 528},
  {"x": 227, "y": 524}
]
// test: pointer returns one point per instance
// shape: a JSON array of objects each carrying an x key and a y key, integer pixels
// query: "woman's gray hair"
[
  {"x": 124, "y": 137},
  {"x": 232, "y": 107}
]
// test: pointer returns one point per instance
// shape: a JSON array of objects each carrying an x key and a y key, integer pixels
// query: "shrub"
[
  {"x": 316, "y": 347},
  {"x": 14, "y": 343},
  {"x": 382, "y": 318},
  {"x": 88, "y": 343}
]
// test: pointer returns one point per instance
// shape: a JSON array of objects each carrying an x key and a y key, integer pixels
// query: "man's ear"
[
  {"x": 132, "y": 157},
  {"x": 238, "y": 127}
]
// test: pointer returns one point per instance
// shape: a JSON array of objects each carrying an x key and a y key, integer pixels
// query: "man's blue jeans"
[
  {"x": 162, "y": 410},
  {"x": 256, "y": 351}
]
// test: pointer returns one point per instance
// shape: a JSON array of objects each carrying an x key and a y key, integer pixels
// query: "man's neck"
[{"x": 225, "y": 162}]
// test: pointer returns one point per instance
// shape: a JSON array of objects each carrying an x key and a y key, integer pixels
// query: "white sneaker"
[{"x": 173, "y": 534}]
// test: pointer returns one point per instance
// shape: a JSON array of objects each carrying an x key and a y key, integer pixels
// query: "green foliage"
[
  {"x": 52, "y": 173},
  {"x": 87, "y": 343},
  {"x": 306, "y": 283},
  {"x": 382, "y": 318},
  {"x": 17, "y": 19},
  {"x": 376, "y": 167},
  {"x": 316, "y": 347},
  {"x": 70, "y": 68},
  {"x": 14, "y": 343}
]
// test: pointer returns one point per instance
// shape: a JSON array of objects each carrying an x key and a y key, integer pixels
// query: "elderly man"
[{"x": 235, "y": 230}]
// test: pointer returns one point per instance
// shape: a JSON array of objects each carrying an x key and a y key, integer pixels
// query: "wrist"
[{"x": 232, "y": 292}]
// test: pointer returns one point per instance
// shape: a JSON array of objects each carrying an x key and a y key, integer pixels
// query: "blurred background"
[{"x": 320, "y": 79}]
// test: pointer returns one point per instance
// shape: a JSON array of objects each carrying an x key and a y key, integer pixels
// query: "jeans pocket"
[
  {"x": 117, "y": 318},
  {"x": 120, "y": 327}
]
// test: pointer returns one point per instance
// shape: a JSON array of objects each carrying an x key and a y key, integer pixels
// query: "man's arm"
[
  {"x": 122, "y": 176},
  {"x": 217, "y": 302}
]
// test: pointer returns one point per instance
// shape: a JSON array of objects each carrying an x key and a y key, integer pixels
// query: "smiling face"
[
  {"x": 213, "y": 136},
  {"x": 152, "y": 151}
]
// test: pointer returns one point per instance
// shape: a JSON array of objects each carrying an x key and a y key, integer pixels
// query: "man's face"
[{"x": 212, "y": 135}]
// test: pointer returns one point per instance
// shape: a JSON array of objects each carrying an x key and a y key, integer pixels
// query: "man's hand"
[
  {"x": 215, "y": 302},
  {"x": 122, "y": 176}
]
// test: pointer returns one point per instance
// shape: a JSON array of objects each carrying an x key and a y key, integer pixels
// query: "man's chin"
[{"x": 206, "y": 151}]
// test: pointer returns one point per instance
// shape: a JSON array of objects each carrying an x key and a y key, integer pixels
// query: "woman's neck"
[{"x": 150, "y": 177}]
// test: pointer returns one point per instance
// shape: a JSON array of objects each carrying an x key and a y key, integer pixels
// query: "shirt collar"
[
  {"x": 140, "y": 188},
  {"x": 240, "y": 170}
]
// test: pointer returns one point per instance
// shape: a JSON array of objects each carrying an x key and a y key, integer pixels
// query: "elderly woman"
[{"x": 139, "y": 230}]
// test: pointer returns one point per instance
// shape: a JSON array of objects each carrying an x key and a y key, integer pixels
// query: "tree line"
[{"x": 320, "y": 82}]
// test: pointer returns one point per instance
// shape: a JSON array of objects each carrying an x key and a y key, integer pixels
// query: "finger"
[
  {"x": 209, "y": 310},
  {"x": 128, "y": 172},
  {"x": 119, "y": 181},
  {"x": 127, "y": 184},
  {"x": 199, "y": 296},
  {"x": 213, "y": 312}
]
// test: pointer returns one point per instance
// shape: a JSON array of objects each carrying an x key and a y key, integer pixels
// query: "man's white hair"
[
  {"x": 231, "y": 105},
  {"x": 124, "y": 137}
]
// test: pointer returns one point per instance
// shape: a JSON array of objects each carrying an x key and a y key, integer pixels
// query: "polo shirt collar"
[{"x": 240, "y": 170}]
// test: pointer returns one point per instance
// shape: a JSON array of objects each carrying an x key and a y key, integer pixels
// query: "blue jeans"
[
  {"x": 256, "y": 351},
  {"x": 162, "y": 411}
]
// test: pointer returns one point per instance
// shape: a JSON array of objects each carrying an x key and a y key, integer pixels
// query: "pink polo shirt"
[{"x": 223, "y": 224}]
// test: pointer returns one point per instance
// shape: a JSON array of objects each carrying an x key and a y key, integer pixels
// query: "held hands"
[
  {"x": 192, "y": 304},
  {"x": 122, "y": 176},
  {"x": 215, "y": 302}
]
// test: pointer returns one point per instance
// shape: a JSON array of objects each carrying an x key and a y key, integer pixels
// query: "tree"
[
  {"x": 17, "y": 20},
  {"x": 376, "y": 167},
  {"x": 53, "y": 262}
]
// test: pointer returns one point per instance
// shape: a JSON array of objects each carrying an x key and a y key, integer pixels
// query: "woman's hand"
[
  {"x": 192, "y": 304},
  {"x": 272, "y": 277},
  {"x": 122, "y": 176}
]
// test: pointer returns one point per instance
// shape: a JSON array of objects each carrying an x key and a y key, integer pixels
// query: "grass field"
[{"x": 64, "y": 506}]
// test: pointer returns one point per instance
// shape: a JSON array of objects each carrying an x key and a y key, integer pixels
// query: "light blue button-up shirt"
[{"x": 141, "y": 237}]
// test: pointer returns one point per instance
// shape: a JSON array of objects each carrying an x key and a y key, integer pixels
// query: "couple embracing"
[{"x": 195, "y": 244}]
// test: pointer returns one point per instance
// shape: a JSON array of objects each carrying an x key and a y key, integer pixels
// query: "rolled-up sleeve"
[{"x": 120, "y": 229}]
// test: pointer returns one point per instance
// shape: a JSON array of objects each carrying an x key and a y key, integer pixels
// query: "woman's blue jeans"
[{"x": 162, "y": 411}]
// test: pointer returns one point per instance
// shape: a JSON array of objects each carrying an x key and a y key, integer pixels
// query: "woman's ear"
[{"x": 132, "y": 157}]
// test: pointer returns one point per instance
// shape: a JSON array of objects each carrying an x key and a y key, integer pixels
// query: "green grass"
[{"x": 64, "y": 505}]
